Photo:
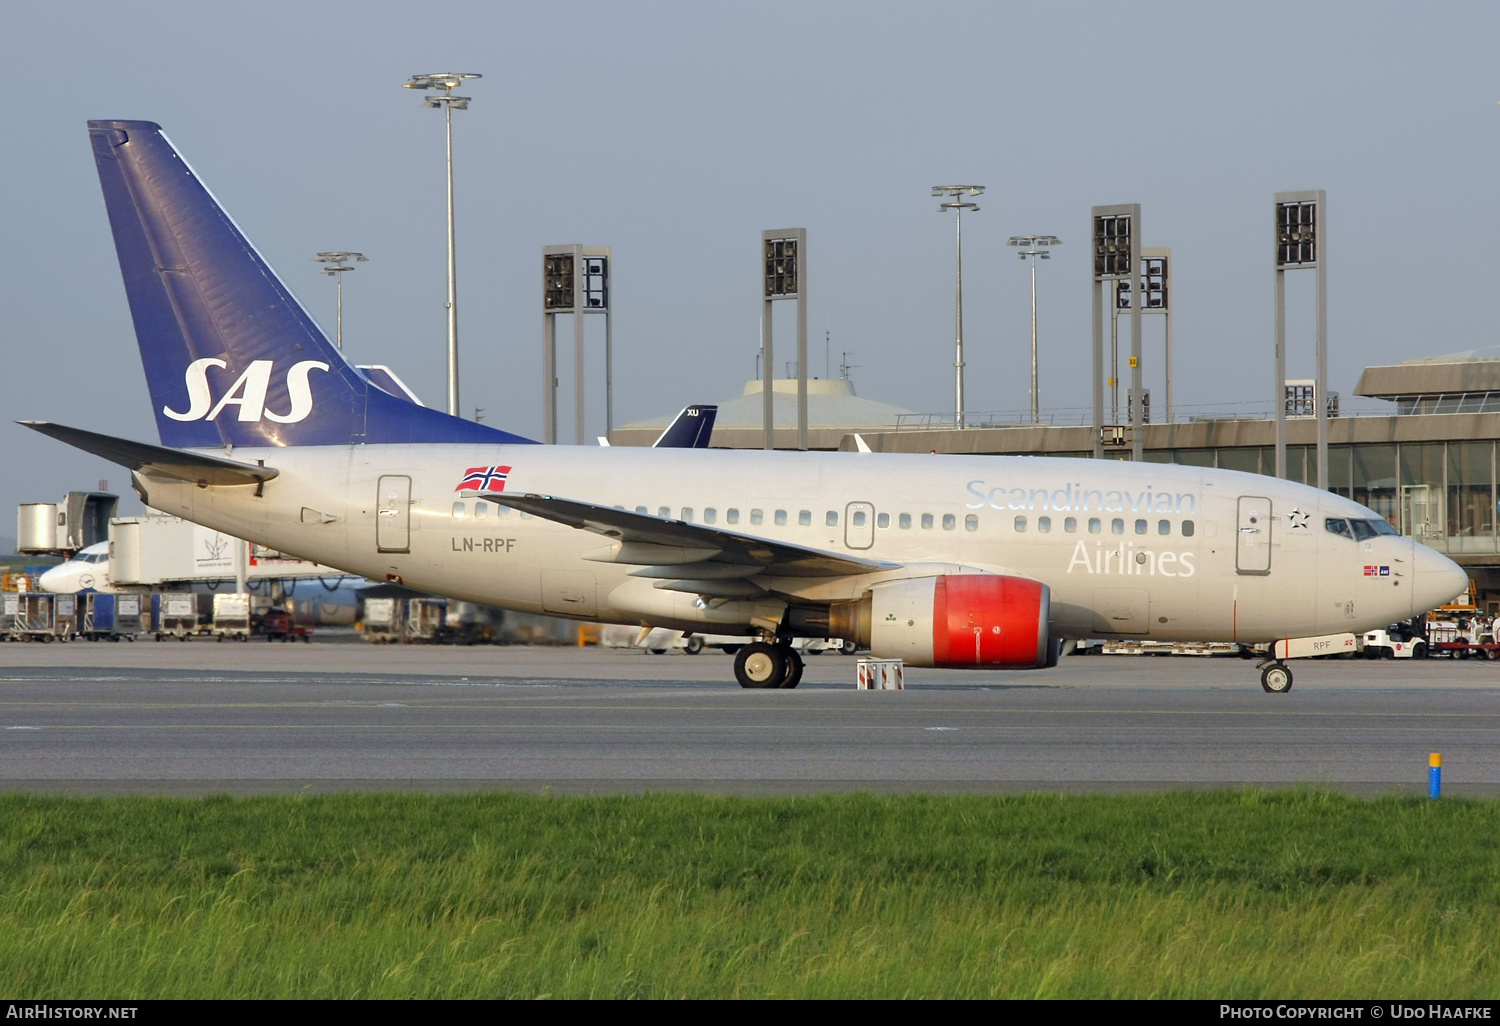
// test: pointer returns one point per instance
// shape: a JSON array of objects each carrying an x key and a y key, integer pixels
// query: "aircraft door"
[
  {"x": 393, "y": 514},
  {"x": 1252, "y": 545},
  {"x": 859, "y": 525}
]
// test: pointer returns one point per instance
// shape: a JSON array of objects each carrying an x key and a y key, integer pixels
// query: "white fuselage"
[{"x": 1160, "y": 551}]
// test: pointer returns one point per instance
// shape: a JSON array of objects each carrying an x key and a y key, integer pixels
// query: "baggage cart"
[
  {"x": 65, "y": 617},
  {"x": 381, "y": 620},
  {"x": 33, "y": 621},
  {"x": 106, "y": 617},
  {"x": 131, "y": 617},
  {"x": 426, "y": 620},
  {"x": 231, "y": 616},
  {"x": 8, "y": 603},
  {"x": 175, "y": 614}
]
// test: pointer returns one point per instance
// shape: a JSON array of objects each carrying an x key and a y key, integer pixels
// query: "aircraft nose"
[
  {"x": 1437, "y": 579},
  {"x": 53, "y": 580}
]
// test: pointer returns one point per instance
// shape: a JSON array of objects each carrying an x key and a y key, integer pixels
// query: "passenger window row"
[
  {"x": 1359, "y": 529},
  {"x": 482, "y": 510},
  {"x": 1116, "y": 526}
]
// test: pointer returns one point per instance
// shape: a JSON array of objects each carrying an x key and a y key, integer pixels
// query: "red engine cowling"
[{"x": 958, "y": 620}]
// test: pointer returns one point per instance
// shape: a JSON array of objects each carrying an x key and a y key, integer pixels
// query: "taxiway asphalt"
[{"x": 200, "y": 718}]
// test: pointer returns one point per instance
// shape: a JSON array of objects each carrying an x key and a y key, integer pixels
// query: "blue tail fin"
[
  {"x": 692, "y": 429},
  {"x": 231, "y": 357}
]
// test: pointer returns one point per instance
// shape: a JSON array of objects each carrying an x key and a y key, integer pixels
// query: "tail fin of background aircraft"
[
  {"x": 692, "y": 429},
  {"x": 231, "y": 357}
]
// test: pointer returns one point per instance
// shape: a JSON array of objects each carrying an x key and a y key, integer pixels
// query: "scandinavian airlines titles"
[
  {"x": 1120, "y": 558},
  {"x": 1076, "y": 499}
]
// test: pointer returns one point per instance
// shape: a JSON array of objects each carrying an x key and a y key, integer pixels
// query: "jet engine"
[{"x": 954, "y": 620}]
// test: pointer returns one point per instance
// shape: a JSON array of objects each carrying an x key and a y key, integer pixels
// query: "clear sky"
[{"x": 676, "y": 132}]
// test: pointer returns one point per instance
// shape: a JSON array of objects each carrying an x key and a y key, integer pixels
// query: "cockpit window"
[
  {"x": 1363, "y": 529},
  {"x": 1382, "y": 527},
  {"x": 1338, "y": 525}
]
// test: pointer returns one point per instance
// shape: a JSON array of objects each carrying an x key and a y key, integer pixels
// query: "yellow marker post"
[{"x": 1435, "y": 775}]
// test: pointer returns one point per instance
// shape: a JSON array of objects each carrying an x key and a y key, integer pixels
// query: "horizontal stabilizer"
[
  {"x": 753, "y": 555},
  {"x": 156, "y": 459}
]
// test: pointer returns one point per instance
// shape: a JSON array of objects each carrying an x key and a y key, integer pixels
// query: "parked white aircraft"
[{"x": 950, "y": 561}]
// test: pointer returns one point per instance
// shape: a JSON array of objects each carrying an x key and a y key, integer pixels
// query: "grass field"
[{"x": 1229, "y": 894}]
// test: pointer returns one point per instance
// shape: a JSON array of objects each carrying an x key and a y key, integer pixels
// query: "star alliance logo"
[{"x": 1299, "y": 520}]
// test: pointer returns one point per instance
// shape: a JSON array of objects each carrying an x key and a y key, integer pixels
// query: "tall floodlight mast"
[
  {"x": 334, "y": 265},
  {"x": 1036, "y": 250},
  {"x": 446, "y": 81},
  {"x": 958, "y": 205}
]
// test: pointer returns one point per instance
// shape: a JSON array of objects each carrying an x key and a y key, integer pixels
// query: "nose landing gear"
[{"x": 1275, "y": 678}]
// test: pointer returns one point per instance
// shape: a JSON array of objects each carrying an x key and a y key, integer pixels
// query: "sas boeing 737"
[{"x": 267, "y": 433}]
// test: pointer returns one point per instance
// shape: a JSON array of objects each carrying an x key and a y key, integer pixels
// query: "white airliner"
[
  {"x": 87, "y": 570},
  {"x": 949, "y": 561}
]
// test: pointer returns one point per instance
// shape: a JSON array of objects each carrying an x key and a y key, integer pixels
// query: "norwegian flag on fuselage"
[{"x": 483, "y": 479}]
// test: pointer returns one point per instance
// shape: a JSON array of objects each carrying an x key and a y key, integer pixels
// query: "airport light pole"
[
  {"x": 958, "y": 205},
  {"x": 446, "y": 81},
  {"x": 334, "y": 264},
  {"x": 1036, "y": 250}
]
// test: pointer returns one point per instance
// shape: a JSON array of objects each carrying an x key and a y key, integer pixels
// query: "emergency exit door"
[
  {"x": 393, "y": 514},
  {"x": 1252, "y": 543}
]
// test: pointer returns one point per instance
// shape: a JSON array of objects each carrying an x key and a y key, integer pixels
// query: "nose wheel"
[{"x": 1275, "y": 678}]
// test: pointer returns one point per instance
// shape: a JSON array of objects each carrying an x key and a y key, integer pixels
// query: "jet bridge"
[{"x": 156, "y": 549}]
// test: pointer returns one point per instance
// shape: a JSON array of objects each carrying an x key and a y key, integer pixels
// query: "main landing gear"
[
  {"x": 760, "y": 665},
  {"x": 1275, "y": 677}
]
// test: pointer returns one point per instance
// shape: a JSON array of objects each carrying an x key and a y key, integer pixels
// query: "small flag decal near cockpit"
[{"x": 483, "y": 479}]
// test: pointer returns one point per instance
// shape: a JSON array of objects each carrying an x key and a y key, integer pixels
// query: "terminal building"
[
  {"x": 1428, "y": 465},
  {"x": 834, "y": 413}
]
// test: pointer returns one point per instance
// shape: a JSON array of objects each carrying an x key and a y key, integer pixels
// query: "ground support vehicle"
[
  {"x": 279, "y": 625},
  {"x": 1463, "y": 638},
  {"x": 1397, "y": 641},
  {"x": 174, "y": 614}
]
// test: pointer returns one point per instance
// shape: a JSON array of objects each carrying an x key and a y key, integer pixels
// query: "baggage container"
[
  {"x": 131, "y": 616},
  {"x": 34, "y": 617},
  {"x": 8, "y": 603},
  {"x": 105, "y": 617},
  {"x": 65, "y": 617},
  {"x": 174, "y": 614},
  {"x": 426, "y": 620},
  {"x": 231, "y": 616},
  {"x": 96, "y": 617},
  {"x": 381, "y": 619}
]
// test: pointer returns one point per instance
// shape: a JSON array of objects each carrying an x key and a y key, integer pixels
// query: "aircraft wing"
[
  {"x": 156, "y": 459},
  {"x": 681, "y": 553}
]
